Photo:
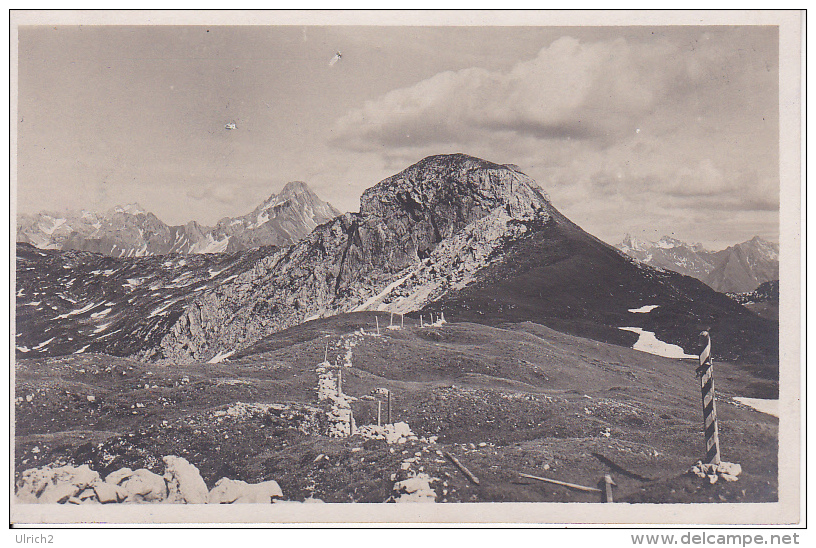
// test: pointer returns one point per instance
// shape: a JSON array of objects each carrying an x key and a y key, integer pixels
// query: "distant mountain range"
[
  {"x": 480, "y": 241},
  {"x": 736, "y": 269},
  {"x": 130, "y": 231}
]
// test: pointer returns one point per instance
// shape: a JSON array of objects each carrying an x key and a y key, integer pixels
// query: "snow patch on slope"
[
  {"x": 650, "y": 344},
  {"x": 644, "y": 309}
]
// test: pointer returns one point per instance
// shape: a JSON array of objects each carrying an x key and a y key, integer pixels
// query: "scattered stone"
[
  {"x": 184, "y": 481},
  {"x": 398, "y": 432},
  {"x": 728, "y": 471},
  {"x": 415, "y": 489}
]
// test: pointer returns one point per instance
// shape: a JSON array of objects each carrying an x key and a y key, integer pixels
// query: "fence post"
[
  {"x": 378, "y": 324},
  {"x": 389, "y": 407},
  {"x": 706, "y": 373},
  {"x": 379, "y": 411}
]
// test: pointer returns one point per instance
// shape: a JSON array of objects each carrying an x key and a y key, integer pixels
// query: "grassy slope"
[
  {"x": 562, "y": 277},
  {"x": 540, "y": 400}
]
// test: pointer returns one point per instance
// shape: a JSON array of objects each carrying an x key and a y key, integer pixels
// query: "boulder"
[
  {"x": 118, "y": 476},
  {"x": 184, "y": 482},
  {"x": 228, "y": 491},
  {"x": 144, "y": 485},
  {"x": 108, "y": 492},
  {"x": 49, "y": 485}
]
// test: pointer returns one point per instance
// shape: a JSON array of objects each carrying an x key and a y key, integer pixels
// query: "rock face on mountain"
[
  {"x": 130, "y": 231},
  {"x": 737, "y": 269},
  {"x": 361, "y": 259},
  {"x": 743, "y": 267},
  {"x": 480, "y": 241}
]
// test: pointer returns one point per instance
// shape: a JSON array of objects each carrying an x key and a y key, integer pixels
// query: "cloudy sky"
[{"x": 646, "y": 130}]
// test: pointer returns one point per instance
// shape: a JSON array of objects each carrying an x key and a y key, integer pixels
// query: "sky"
[{"x": 645, "y": 130}]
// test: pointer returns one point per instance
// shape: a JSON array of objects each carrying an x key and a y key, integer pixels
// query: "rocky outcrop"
[
  {"x": 181, "y": 484},
  {"x": 141, "y": 485},
  {"x": 428, "y": 227},
  {"x": 55, "y": 484}
]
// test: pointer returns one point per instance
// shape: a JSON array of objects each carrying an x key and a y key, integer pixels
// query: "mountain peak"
[
  {"x": 294, "y": 188},
  {"x": 458, "y": 183}
]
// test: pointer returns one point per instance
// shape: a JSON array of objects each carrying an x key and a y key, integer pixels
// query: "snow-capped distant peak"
[
  {"x": 633, "y": 243},
  {"x": 132, "y": 209},
  {"x": 667, "y": 242}
]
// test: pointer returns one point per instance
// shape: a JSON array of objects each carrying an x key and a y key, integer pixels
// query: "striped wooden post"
[{"x": 706, "y": 371}]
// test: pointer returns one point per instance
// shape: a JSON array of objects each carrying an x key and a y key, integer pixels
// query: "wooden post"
[
  {"x": 402, "y": 321},
  {"x": 420, "y": 321},
  {"x": 462, "y": 468},
  {"x": 378, "y": 324},
  {"x": 564, "y": 483},
  {"x": 389, "y": 407},
  {"x": 608, "y": 483},
  {"x": 326, "y": 353},
  {"x": 706, "y": 372},
  {"x": 379, "y": 413},
  {"x": 391, "y": 323}
]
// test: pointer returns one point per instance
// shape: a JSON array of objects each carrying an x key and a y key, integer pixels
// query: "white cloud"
[
  {"x": 570, "y": 90},
  {"x": 676, "y": 123}
]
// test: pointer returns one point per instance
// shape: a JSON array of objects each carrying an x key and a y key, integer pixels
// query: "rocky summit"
[
  {"x": 418, "y": 234},
  {"x": 130, "y": 231}
]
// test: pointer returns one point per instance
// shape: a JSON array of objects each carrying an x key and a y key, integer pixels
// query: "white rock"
[
  {"x": 109, "y": 492},
  {"x": 228, "y": 491},
  {"x": 146, "y": 486},
  {"x": 184, "y": 481},
  {"x": 118, "y": 476},
  {"x": 416, "y": 489},
  {"x": 49, "y": 485}
]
